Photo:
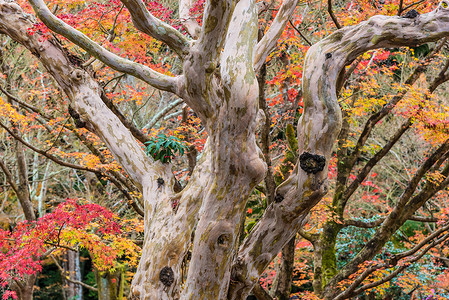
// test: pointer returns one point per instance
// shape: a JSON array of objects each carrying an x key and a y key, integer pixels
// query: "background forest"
[{"x": 71, "y": 220}]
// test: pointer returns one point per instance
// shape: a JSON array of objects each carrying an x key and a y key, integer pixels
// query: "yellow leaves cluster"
[
  {"x": 435, "y": 177},
  {"x": 7, "y": 111}
]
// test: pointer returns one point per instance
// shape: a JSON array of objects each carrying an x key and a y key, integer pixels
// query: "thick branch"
[
  {"x": 147, "y": 23},
  {"x": 386, "y": 109},
  {"x": 269, "y": 40},
  {"x": 217, "y": 15},
  {"x": 319, "y": 127},
  {"x": 189, "y": 22},
  {"x": 116, "y": 62}
]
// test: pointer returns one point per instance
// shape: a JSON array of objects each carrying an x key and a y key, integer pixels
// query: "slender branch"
[
  {"x": 374, "y": 160},
  {"x": 265, "y": 136},
  {"x": 121, "y": 180},
  {"x": 163, "y": 112},
  {"x": 400, "y": 9},
  {"x": 331, "y": 13},
  {"x": 60, "y": 246},
  {"x": 403, "y": 210},
  {"x": 363, "y": 224},
  {"x": 9, "y": 176},
  {"x": 112, "y": 31},
  {"x": 423, "y": 219},
  {"x": 413, "y": 4},
  {"x": 116, "y": 62},
  {"x": 67, "y": 277},
  {"x": 47, "y": 155},
  {"x": 386, "y": 109},
  {"x": 261, "y": 293},
  {"x": 395, "y": 272},
  {"x": 24, "y": 104},
  {"x": 299, "y": 32},
  {"x": 378, "y": 222},
  {"x": 311, "y": 237},
  {"x": 136, "y": 132},
  {"x": 441, "y": 78}
]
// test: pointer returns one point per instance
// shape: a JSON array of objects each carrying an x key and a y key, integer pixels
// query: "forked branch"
[{"x": 116, "y": 62}]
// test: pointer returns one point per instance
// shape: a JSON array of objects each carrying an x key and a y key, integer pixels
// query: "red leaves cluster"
[{"x": 23, "y": 248}]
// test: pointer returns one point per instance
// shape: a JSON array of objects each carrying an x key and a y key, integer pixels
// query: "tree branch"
[
  {"x": 331, "y": 13},
  {"x": 402, "y": 211},
  {"x": 116, "y": 62},
  {"x": 24, "y": 104},
  {"x": 378, "y": 222},
  {"x": 299, "y": 32},
  {"x": 67, "y": 277},
  {"x": 147, "y": 23},
  {"x": 269, "y": 40},
  {"x": 9, "y": 176},
  {"x": 319, "y": 126},
  {"x": 376, "y": 117},
  {"x": 163, "y": 112},
  {"x": 374, "y": 160},
  {"x": 351, "y": 291},
  {"x": 189, "y": 23}
]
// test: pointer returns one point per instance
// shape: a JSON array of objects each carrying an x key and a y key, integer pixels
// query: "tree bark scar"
[
  {"x": 312, "y": 163},
  {"x": 77, "y": 118},
  {"x": 160, "y": 182},
  {"x": 167, "y": 276},
  {"x": 328, "y": 55},
  {"x": 278, "y": 198},
  {"x": 411, "y": 14}
]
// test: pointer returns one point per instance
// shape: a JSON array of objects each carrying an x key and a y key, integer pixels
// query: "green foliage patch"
[{"x": 164, "y": 148}]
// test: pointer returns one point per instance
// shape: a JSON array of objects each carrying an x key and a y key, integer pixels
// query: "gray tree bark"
[{"x": 219, "y": 83}]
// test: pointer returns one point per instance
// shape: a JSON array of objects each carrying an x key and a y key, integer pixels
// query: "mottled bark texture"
[{"x": 218, "y": 82}]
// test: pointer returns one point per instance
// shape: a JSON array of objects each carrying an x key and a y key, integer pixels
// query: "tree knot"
[
  {"x": 312, "y": 163},
  {"x": 411, "y": 14},
  {"x": 278, "y": 198},
  {"x": 160, "y": 182},
  {"x": 167, "y": 276},
  {"x": 76, "y": 117},
  {"x": 77, "y": 75}
]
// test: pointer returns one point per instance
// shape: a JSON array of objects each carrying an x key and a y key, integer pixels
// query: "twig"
[
  {"x": 413, "y": 4},
  {"x": 30, "y": 107},
  {"x": 299, "y": 32},
  {"x": 331, "y": 13},
  {"x": 67, "y": 277},
  {"x": 400, "y": 10}
]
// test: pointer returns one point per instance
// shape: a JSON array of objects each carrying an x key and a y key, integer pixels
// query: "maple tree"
[{"x": 194, "y": 246}]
